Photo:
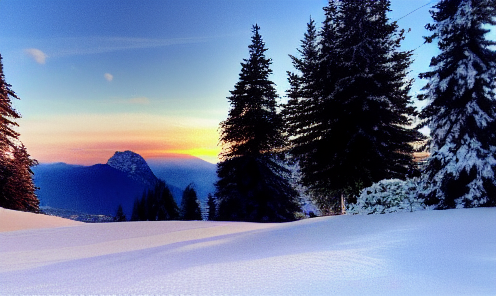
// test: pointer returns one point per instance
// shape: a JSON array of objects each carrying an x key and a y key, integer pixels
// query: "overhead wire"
[
  {"x": 430, "y": 2},
  {"x": 415, "y": 10}
]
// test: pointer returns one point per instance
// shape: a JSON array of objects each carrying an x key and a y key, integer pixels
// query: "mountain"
[
  {"x": 180, "y": 172},
  {"x": 97, "y": 189},
  {"x": 76, "y": 191},
  {"x": 134, "y": 166},
  {"x": 83, "y": 192}
]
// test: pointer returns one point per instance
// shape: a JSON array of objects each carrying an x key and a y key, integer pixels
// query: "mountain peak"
[{"x": 134, "y": 165}]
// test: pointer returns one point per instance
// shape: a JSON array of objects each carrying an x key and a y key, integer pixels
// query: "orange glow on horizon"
[
  {"x": 92, "y": 155},
  {"x": 208, "y": 154},
  {"x": 93, "y": 139}
]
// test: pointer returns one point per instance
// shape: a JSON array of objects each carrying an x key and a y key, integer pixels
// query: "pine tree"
[
  {"x": 17, "y": 190},
  {"x": 361, "y": 107},
  {"x": 252, "y": 182},
  {"x": 313, "y": 161},
  {"x": 300, "y": 111},
  {"x": 156, "y": 204},
  {"x": 212, "y": 207},
  {"x": 120, "y": 216},
  {"x": 461, "y": 110},
  {"x": 142, "y": 208},
  {"x": 167, "y": 208},
  {"x": 303, "y": 113},
  {"x": 190, "y": 207},
  {"x": 135, "y": 214},
  {"x": 371, "y": 110}
]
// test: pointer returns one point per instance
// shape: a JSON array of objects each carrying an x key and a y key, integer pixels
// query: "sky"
[{"x": 95, "y": 77}]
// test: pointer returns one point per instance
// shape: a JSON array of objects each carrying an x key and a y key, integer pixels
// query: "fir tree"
[
  {"x": 190, "y": 207},
  {"x": 303, "y": 113},
  {"x": 319, "y": 76},
  {"x": 212, "y": 207},
  {"x": 17, "y": 190},
  {"x": 142, "y": 208},
  {"x": 361, "y": 110},
  {"x": 252, "y": 182},
  {"x": 461, "y": 110},
  {"x": 300, "y": 111},
  {"x": 156, "y": 204},
  {"x": 370, "y": 106},
  {"x": 120, "y": 216},
  {"x": 135, "y": 214},
  {"x": 167, "y": 208}
]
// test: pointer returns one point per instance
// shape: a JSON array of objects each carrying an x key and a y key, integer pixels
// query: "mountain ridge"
[
  {"x": 134, "y": 165},
  {"x": 100, "y": 188}
]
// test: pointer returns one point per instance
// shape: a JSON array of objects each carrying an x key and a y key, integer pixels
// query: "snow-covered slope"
[
  {"x": 421, "y": 253},
  {"x": 14, "y": 220}
]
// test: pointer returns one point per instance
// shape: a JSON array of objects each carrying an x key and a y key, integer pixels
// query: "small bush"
[{"x": 388, "y": 196}]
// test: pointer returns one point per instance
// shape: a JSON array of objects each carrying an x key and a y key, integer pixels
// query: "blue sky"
[{"x": 150, "y": 76}]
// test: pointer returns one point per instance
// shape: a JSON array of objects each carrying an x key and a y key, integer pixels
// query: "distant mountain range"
[
  {"x": 99, "y": 189},
  {"x": 180, "y": 172}
]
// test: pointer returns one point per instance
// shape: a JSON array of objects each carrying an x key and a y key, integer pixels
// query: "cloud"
[
  {"x": 96, "y": 45},
  {"x": 38, "y": 55},
  {"x": 109, "y": 77},
  {"x": 139, "y": 101}
]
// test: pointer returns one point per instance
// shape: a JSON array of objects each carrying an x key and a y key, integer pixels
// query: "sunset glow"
[{"x": 90, "y": 138}]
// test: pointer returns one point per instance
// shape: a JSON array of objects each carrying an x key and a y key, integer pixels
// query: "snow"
[
  {"x": 14, "y": 220},
  {"x": 388, "y": 196},
  {"x": 421, "y": 253}
]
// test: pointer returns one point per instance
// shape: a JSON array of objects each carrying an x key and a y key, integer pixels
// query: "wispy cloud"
[
  {"x": 129, "y": 101},
  {"x": 109, "y": 77},
  {"x": 97, "y": 45},
  {"x": 139, "y": 101},
  {"x": 38, "y": 55}
]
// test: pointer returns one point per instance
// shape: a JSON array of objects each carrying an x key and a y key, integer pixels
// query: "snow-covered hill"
[{"x": 422, "y": 253}]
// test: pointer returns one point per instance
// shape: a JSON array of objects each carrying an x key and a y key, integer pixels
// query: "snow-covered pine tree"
[
  {"x": 253, "y": 183},
  {"x": 363, "y": 110},
  {"x": 190, "y": 207},
  {"x": 17, "y": 190},
  {"x": 461, "y": 110}
]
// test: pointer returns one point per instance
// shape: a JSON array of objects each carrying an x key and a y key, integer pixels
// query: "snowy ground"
[{"x": 421, "y": 253}]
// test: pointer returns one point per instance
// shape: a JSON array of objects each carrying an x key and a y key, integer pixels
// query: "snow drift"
[
  {"x": 14, "y": 220},
  {"x": 421, "y": 253}
]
